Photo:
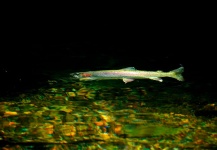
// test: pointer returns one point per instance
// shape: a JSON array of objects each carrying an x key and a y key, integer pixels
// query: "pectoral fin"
[
  {"x": 87, "y": 79},
  {"x": 156, "y": 79},
  {"x": 126, "y": 80}
]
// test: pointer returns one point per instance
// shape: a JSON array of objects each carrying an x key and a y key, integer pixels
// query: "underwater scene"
[
  {"x": 122, "y": 78},
  {"x": 104, "y": 103}
]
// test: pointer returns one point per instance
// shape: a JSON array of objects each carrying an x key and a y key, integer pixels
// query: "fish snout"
[{"x": 75, "y": 75}]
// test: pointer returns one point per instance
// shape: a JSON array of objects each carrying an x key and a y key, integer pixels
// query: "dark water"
[
  {"x": 23, "y": 69},
  {"x": 39, "y": 81},
  {"x": 35, "y": 63}
]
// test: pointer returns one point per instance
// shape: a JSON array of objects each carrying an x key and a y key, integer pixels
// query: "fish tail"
[{"x": 177, "y": 73}]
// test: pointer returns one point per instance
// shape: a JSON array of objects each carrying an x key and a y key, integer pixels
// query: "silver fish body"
[{"x": 128, "y": 74}]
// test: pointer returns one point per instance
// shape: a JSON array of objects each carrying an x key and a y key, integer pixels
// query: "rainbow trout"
[{"x": 128, "y": 74}]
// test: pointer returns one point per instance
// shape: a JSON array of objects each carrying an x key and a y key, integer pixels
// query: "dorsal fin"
[{"x": 129, "y": 68}]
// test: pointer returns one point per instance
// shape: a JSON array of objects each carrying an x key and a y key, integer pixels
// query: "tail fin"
[{"x": 177, "y": 73}]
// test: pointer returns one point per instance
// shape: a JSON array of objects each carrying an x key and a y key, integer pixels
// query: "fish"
[{"x": 128, "y": 74}]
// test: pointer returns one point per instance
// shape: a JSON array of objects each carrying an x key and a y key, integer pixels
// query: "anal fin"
[{"x": 156, "y": 79}]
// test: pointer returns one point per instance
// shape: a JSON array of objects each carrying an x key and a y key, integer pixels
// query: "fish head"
[{"x": 76, "y": 75}]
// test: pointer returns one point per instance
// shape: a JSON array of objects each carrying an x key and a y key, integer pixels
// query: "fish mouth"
[{"x": 75, "y": 75}]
